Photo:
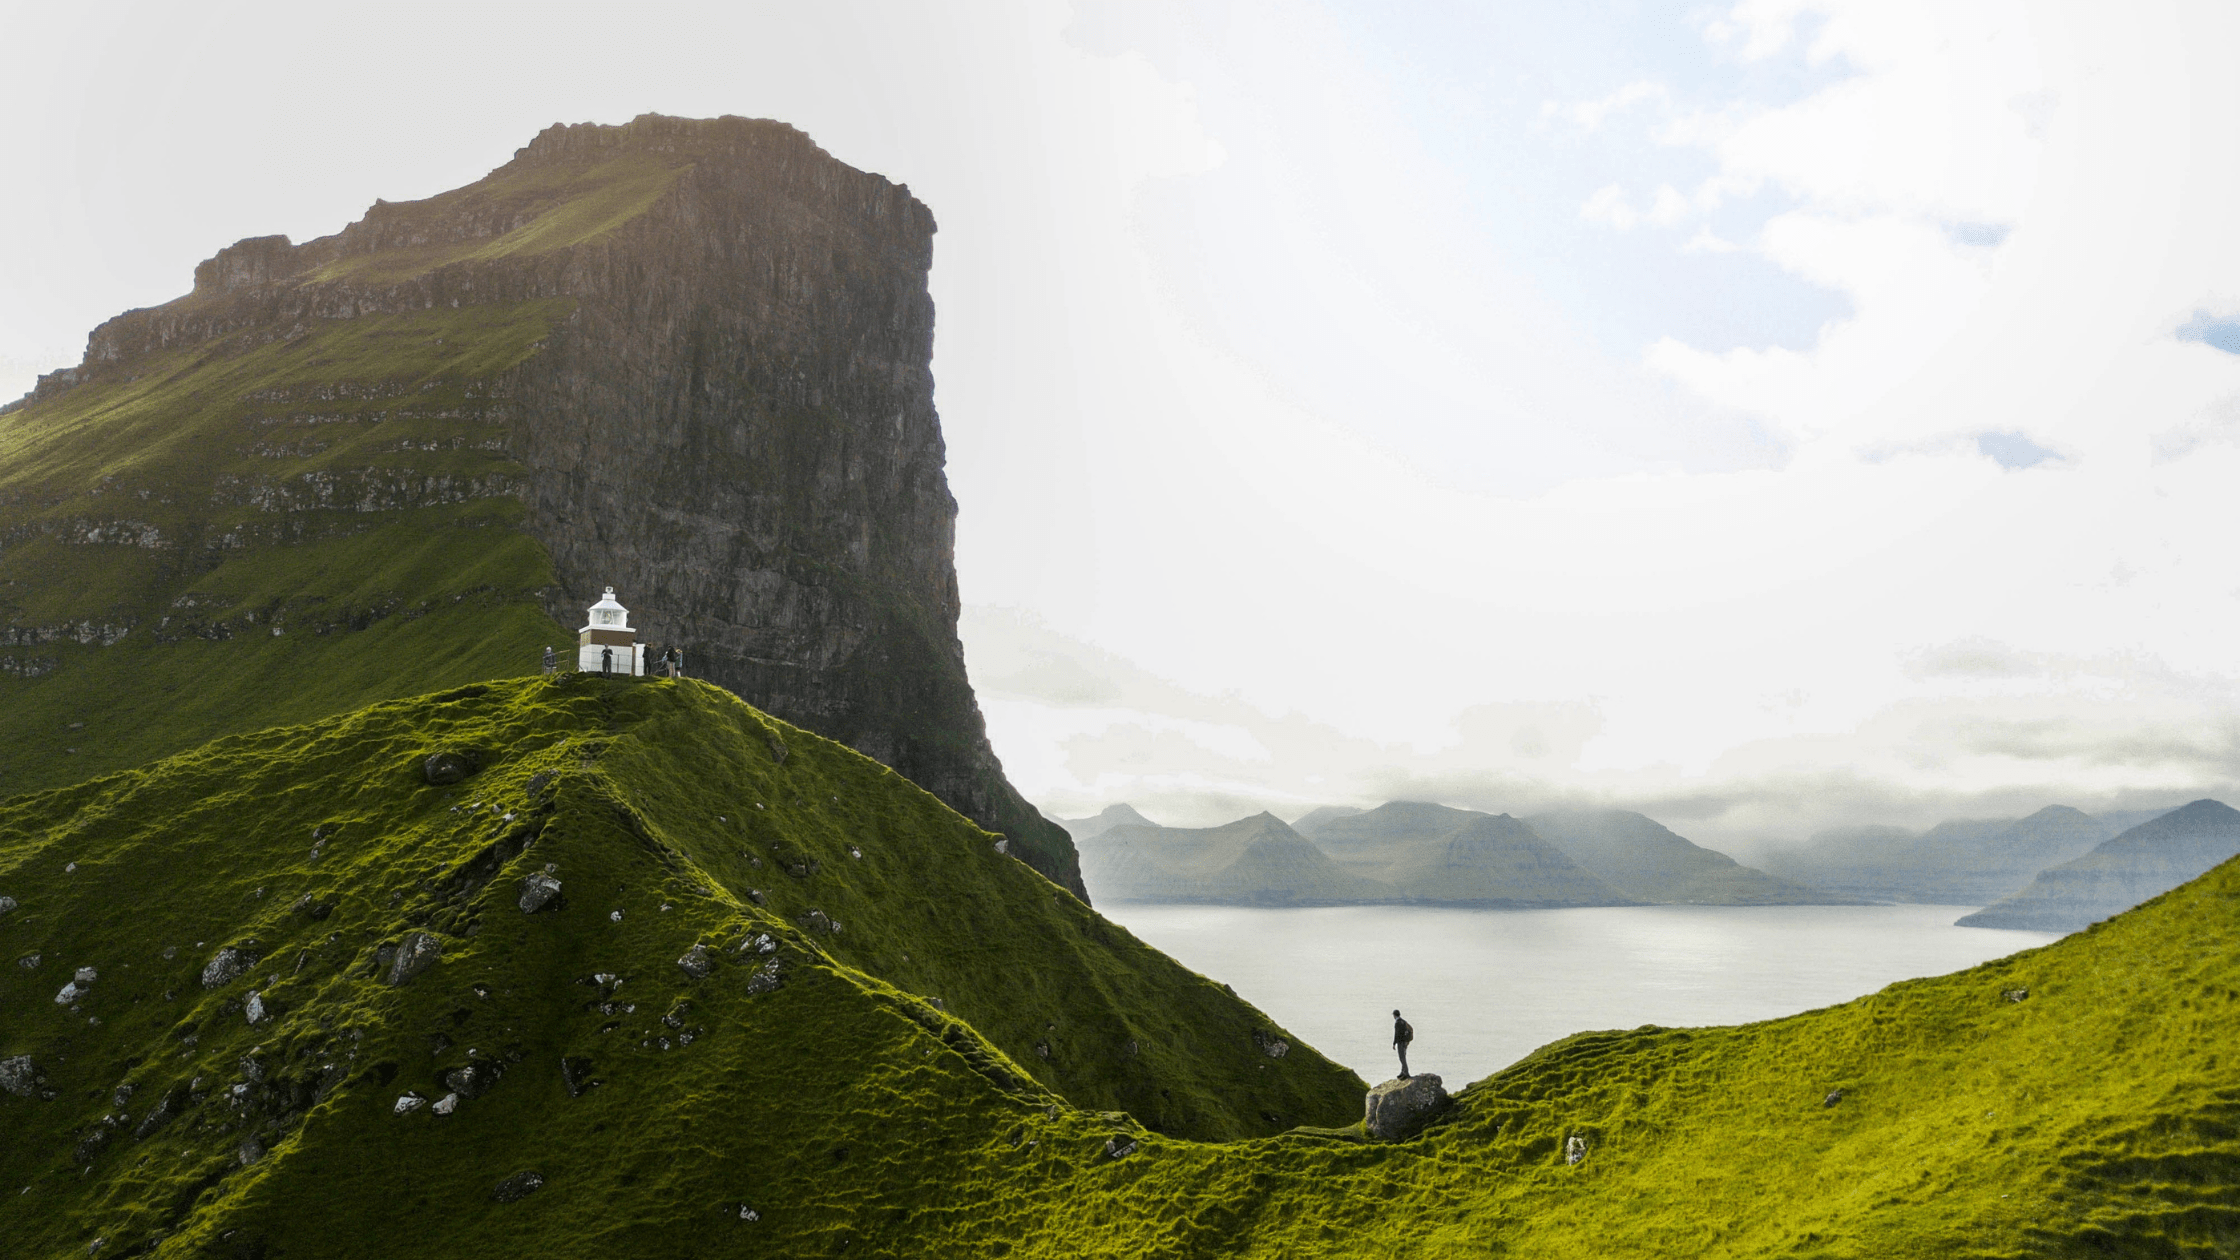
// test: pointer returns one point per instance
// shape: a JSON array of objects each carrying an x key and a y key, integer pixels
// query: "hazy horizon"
[{"x": 1768, "y": 416}]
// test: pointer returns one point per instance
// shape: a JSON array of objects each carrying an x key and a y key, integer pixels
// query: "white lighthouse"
[{"x": 607, "y": 644}]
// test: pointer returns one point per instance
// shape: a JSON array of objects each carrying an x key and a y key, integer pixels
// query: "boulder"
[
  {"x": 472, "y": 1081},
  {"x": 226, "y": 966},
  {"x": 445, "y": 768},
  {"x": 446, "y": 1105},
  {"x": 85, "y": 977},
  {"x": 418, "y": 952},
  {"x": 409, "y": 1102},
  {"x": 538, "y": 892},
  {"x": 1398, "y": 1108},
  {"x": 575, "y": 1073},
  {"x": 20, "y": 1076},
  {"x": 7, "y": 905},
  {"x": 518, "y": 1187},
  {"x": 1574, "y": 1149},
  {"x": 697, "y": 962}
]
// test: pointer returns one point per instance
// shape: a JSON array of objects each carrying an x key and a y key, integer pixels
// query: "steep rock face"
[
  {"x": 727, "y": 412},
  {"x": 2146, "y": 861},
  {"x": 1962, "y": 861}
]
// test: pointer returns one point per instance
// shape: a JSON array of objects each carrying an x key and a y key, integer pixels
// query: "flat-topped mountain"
[
  {"x": 1647, "y": 861},
  {"x": 1964, "y": 861},
  {"x": 1252, "y": 861},
  {"x": 2145, "y": 861},
  {"x": 690, "y": 359}
]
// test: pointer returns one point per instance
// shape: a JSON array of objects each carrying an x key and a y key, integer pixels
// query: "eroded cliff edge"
[{"x": 729, "y": 415}]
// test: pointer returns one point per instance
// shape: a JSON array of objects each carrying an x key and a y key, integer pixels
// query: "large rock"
[
  {"x": 538, "y": 891},
  {"x": 418, "y": 952},
  {"x": 1398, "y": 1108},
  {"x": 227, "y": 965},
  {"x": 20, "y": 1076}
]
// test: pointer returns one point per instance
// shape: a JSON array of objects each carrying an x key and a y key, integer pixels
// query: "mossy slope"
[
  {"x": 845, "y": 1104},
  {"x": 2097, "y": 1115},
  {"x": 263, "y": 528}
]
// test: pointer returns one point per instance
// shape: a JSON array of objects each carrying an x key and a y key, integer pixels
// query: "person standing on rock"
[
  {"x": 606, "y": 662},
  {"x": 551, "y": 662},
  {"x": 1402, "y": 1034}
]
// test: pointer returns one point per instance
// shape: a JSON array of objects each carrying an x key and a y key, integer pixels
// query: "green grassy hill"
[
  {"x": 162, "y": 584},
  {"x": 887, "y": 993},
  {"x": 1072, "y": 1094}
]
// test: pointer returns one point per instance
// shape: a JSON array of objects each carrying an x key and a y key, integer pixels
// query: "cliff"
[
  {"x": 687, "y": 358},
  {"x": 2147, "y": 860},
  {"x": 1962, "y": 861}
]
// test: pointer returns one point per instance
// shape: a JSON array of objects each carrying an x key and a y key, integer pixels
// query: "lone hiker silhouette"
[{"x": 1401, "y": 1036}]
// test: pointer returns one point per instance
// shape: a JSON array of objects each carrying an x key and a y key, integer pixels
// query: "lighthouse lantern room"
[{"x": 607, "y": 644}]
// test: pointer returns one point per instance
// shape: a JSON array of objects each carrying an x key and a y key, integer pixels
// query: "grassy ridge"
[
  {"x": 2098, "y": 1115},
  {"x": 845, "y": 1104}
]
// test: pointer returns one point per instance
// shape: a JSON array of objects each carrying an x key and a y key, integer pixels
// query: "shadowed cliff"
[{"x": 687, "y": 358}]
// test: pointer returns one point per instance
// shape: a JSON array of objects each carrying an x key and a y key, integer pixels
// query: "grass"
[
  {"x": 345, "y": 484},
  {"x": 837, "y": 1106},
  {"x": 2100, "y": 1115}
]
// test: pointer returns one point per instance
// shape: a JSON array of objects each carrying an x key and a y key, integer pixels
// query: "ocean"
[{"x": 1485, "y": 987}]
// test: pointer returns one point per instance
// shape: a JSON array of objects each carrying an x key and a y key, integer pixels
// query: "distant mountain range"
[
  {"x": 1966, "y": 861},
  {"x": 2143, "y": 862},
  {"x": 1417, "y": 853}
]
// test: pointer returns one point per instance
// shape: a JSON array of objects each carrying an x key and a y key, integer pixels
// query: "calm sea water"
[{"x": 1484, "y": 987}]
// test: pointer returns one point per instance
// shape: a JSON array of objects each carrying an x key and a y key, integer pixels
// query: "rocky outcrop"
[
  {"x": 1398, "y": 1108},
  {"x": 728, "y": 415},
  {"x": 2146, "y": 861}
]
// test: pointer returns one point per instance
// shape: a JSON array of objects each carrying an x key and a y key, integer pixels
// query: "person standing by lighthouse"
[{"x": 607, "y": 643}]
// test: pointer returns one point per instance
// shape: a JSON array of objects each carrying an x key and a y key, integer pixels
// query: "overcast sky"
[{"x": 1766, "y": 416}]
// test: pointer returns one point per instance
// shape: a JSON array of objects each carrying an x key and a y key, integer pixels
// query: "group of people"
[{"x": 668, "y": 663}]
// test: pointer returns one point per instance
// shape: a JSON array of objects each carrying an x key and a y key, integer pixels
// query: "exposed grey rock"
[
  {"x": 418, "y": 952},
  {"x": 748, "y": 1214},
  {"x": 85, "y": 977},
  {"x": 1119, "y": 1147},
  {"x": 313, "y": 907},
  {"x": 68, "y": 994},
  {"x": 2015, "y": 995},
  {"x": 445, "y": 768},
  {"x": 819, "y": 921},
  {"x": 408, "y": 1102},
  {"x": 538, "y": 891},
  {"x": 7, "y": 905},
  {"x": 121, "y": 1095},
  {"x": 697, "y": 962},
  {"x": 250, "y": 1152},
  {"x": 226, "y": 966},
  {"x": 167, "y": 1107},
  {"x": 29, "y": 962},
  {"x": 20, "y": 1076},
  {"x": 474, "y": 1080},
  {"x": 575, "y": 1073},
  {"x": 253, "y": 1006},
  {"x": 1574, "y": 1149},
  {"x": 1398, "y": 1108},
  {"x": 446, "y": 1105},
  {"x": 1834, "y": 1096},
  {"x": 768, "y": 978},
  {"x": 518, "y": 1187}
]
